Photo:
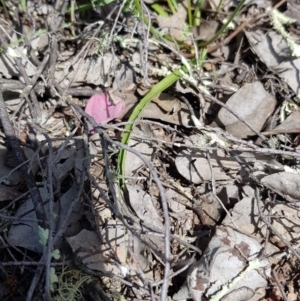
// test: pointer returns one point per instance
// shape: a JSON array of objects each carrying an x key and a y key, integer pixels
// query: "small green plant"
[
  {"x": 88, "y": 6},
  {"x": 183, "y": 72},
  {"x": 44, "y": 235},
  {"x": 69, "y": 285}
]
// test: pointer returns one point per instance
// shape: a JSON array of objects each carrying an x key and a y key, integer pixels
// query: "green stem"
[
  {"x": 197, "y": 13},
  {"x": 155, "y": 90},
  {"x": 189, "y": 9}
]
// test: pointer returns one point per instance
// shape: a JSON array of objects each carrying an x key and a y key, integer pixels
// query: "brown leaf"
[{"x": 253, "y": 104}]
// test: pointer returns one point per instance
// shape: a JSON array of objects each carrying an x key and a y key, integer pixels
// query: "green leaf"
[
  {"x": 53, "y": 279},
  {"x": 23, "y": 5},
  {"x": 55, "y": 254},
  {"x": 173, "y": 5},
  {"x": 159, "y": 9},
  {"x": 43, "y": 235}
]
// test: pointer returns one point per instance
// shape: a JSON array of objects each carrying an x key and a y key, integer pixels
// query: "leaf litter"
[{"x": 210, "y": 207}]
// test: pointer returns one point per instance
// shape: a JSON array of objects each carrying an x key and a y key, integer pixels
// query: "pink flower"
[{"x": 103, "y": 109}]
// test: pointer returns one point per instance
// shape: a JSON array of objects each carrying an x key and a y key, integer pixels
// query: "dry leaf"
[
  {"x": 95, "y": 71},
  {"x": 24, "y": 233},
  {"x": 223, "y": 260},
  {"x": 288, "y": 184},
  {"x": 8, "y": 193},
  {"x": 274, "y": 52},
  {"x": 253, "y": 104},
  {"x": 194, "y": 166},
  {"x": 289, "y": 125}
]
